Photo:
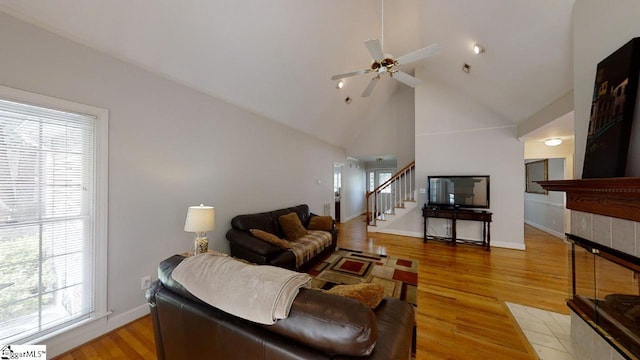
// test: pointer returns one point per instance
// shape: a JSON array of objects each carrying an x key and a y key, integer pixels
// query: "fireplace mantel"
[{"x": 615, "y": 197}]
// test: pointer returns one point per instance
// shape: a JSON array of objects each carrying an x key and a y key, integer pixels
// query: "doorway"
[
  {"x": 546, "y": 210},
  {"x": 337, "y": 191}
]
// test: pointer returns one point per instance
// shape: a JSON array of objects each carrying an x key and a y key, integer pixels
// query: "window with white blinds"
[{"x": 48, "y": 213}]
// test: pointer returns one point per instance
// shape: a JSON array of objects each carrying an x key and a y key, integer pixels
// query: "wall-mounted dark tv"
[{"x": 458, "y": 191}]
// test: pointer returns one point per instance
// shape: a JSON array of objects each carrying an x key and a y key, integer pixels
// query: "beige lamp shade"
[{"x": 200, "y": 219}]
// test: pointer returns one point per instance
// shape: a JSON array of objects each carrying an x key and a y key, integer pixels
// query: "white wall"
[
  {"x": 354, "y": 181},
  {"x": 549, "y": 113},
  {"x": 390, "y": 131},
  {"x": 404, "y": 101},
  {"x": 170, "y": 147},
  {"x": 599, "y": 28},
  {"x": 547, "y": 212},
  {"x": 456, "y": 135}
]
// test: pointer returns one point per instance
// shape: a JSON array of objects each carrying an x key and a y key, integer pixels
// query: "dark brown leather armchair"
[{"x": 319, "y": 326}]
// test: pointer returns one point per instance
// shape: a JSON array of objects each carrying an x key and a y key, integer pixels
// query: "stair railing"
[{"x": 391, "y": 194}]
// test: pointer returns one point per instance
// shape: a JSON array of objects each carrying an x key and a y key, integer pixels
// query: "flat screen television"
[{"x": 458, "y": 191}]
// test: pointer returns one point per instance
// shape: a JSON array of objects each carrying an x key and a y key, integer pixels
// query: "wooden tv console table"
[{"x": 460, "y": 214}]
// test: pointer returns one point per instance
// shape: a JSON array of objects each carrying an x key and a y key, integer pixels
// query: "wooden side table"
[{"x": 460, "y": 214}]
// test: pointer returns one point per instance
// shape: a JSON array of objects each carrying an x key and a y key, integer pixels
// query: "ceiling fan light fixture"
[
  {"x": 478, "y": 49},
  {"x": 553, "y": 142},
  {"x": 340, "y": 84},
  {"x": 386, "y": 63}
]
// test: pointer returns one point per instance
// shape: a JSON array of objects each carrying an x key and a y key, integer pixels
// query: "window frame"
[
  {"x": 101, "y": 165},
  {"x": 375, "y": 172}
]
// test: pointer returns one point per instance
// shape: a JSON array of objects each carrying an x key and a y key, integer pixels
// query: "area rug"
[{"x": 399, "y": 277}]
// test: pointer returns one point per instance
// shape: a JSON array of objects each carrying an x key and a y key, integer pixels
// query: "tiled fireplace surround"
[
  {"x": 605, "y": 211},
  {"x": 619, "y": 234}
]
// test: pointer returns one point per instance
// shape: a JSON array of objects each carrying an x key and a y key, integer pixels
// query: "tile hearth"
[{"x": 549, "y": 333}]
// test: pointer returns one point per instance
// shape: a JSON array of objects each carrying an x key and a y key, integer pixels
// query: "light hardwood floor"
[{"x": 461, "y": 293}]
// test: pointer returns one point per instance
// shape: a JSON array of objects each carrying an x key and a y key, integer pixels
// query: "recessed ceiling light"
[
  {"x": 553, "y": 142},
  {"x": 478, "y": 49},
  {"x": 340, "y": 84}
]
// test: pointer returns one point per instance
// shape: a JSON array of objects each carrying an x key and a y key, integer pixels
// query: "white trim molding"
[
  {"x": 508, "y": 245},
  {"x": 84, "y": 330},
  {"x": 545, "y": 229}
]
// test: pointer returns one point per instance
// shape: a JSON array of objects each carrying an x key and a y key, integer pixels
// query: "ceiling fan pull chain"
[{"x": 382, "y": 20}]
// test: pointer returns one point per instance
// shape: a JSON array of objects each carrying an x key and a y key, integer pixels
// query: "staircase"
[{"x": 392, "y": 199}]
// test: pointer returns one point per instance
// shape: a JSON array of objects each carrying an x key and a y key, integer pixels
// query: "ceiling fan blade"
[
  {"x": 406, "y": 78},
  {"x": 418, "y": 54},
  {"x": 346, "y": 75},
  {"x": 374, "y": 49},
  {"x": 370, "y": 87}
]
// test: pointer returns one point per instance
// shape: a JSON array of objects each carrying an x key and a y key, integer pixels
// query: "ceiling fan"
[{"x": 384, "y": 63}]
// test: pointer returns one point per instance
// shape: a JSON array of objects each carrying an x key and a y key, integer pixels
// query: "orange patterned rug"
[{"x": 399, "y": 277}]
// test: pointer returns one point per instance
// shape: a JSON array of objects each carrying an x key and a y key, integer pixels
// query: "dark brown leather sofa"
[
  {"x": 319, "y": 326},
  {"x": 243, "y": 245}
]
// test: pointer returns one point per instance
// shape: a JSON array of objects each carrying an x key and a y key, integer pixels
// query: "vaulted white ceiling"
[{"x": 276, "y": 57}]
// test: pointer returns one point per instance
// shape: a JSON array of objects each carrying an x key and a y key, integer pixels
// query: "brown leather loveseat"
[
  {"x": 319, "y": 326},
  {"x": 243, "y": 245}
]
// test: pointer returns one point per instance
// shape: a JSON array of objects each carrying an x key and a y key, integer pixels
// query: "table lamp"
[{"x": 200, "y": 219}]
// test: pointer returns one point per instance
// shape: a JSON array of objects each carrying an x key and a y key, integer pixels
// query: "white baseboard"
[
  {"x": 545, "y": 229},
  {"x": 353, "y": 217},
  {"x": 83, "y": 334},
  {"x": 508, "y": 245},
  {"x": 419, "y": 235},
  {"x": 400, "y": 232}
]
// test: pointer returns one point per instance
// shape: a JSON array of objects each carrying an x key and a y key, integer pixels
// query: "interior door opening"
[{"x": 337, "y": 191}]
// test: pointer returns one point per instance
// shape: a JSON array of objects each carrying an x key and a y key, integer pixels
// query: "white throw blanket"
[{"x": 258, "y": 293}]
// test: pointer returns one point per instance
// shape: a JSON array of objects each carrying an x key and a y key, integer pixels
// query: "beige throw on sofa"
[{"x": 258, "y": 293}]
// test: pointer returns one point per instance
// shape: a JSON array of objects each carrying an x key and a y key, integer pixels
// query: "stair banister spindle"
[
  {"x": 404, "y": 188},
  {"x": 410, "y": 189},
  {"x": 374, "y": 208},
  {"x": 369, "y": 209},
  {"x": 386, "y": 199},
  {"x": 408, "y": 179},
  {"x": 410, "y": 183},
  {"x": 395, "y": 195}
]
